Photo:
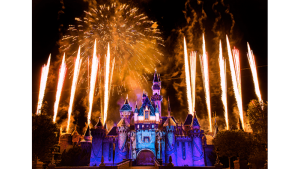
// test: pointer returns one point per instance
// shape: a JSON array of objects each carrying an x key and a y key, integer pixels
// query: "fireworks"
[
  {"x": 106, "y": 85},
  {"x": 234, "y": 64},
  {"x": 61, "y": 79},
  {"x": 45, "y": 70},
  {"x": 205, "y": 77},
  {"x": 93, "y": 82},
  {"x": 254, "y": 73},
  {"x": 133, "y": 39},
  {"x": 193, "y": 76},
  {"x": 74, "y": 84},
  {"x": 222, "y": 64},
  {"x": 187, "y": 79}
]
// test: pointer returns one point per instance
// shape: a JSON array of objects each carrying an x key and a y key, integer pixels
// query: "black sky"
[{"x": 250, "y": 16}]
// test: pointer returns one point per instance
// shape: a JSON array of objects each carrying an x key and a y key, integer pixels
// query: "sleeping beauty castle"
[{"x": 144, "y": 135}]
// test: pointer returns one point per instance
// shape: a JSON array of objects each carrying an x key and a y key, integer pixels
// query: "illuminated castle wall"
[{"x": 143, "y": 134}]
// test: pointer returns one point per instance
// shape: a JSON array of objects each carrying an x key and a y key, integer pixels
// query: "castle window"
[
  {"x": 146, "y": 139},
  {"x": 146, "y": 115}
]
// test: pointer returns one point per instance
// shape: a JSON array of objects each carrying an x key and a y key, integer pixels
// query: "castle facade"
[{"x": 143, "y": 135}]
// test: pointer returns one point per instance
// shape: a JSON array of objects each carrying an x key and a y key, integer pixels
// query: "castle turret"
[
  {"x": 156, "y": 98},
  {"x": 121, "y": 148},
  {"x": 197, "y": 148},
  {"x": 86, "y": 143},
  {"x": 136, "y": 112},
  {"x": 170, "y": 128},
  {"x": 126, "y": 111},
  {"x": 98, "y": 133}
]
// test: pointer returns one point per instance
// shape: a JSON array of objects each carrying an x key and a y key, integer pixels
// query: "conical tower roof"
[
  {"x": 169, "y": 122},
  {"x": 155, "y": 79},
  {"x": 126, "y": 105},
  {"x": 195, "y": 123},
  {"x": 188, "y": 120},
  {"x": 136, "y": 110},
  {"x": 123, "y": 122},
  {"x": 99, "y": 124},
  {"x": 87, "y": 132}
]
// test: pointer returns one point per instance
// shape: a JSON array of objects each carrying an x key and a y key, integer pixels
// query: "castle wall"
[
  {"x": 163, "y": 148},
  {"x": 184, "y": 151},
  {"x": 198, "y": 153},
  {"x": 108, "y": 151},
  {"x": 170, "y": 145},
  {"x": 96, "y": 152},
  {"x": 121, "y": 147},
  {"x": 146, "y": 140}
]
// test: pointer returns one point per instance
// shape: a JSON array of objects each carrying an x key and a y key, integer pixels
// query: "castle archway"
[{"x": 145, "y": 157}]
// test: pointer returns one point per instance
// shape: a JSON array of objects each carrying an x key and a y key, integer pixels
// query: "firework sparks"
[
  {"x": 93, "y": 82},
  {"x": 106, "y": 85},
  {"x": 62, "y": 73},
  {"x": 193, "y": 76},
  {"x": 234, "y": 64},
  {"x": 222, "y": 64},
  {"x": 132, "y": 36},
  {"x": 111, "y": 75},
  {"x": 187, "y": 79},
  {"x": 45, "y": 70},
  {"x": 74, "y": 84},
  {"x": 254, "y": 72},
  {"x": 205, "y": 77}
]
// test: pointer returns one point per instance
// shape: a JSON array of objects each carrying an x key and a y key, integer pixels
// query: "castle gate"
[{"x": 145, "y": 157}]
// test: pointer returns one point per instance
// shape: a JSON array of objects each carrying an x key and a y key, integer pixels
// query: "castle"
[{"x": 143, "y": 135}]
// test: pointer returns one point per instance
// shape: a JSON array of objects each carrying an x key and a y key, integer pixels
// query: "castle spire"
[
  {"x": 87, "y": 133},
  {"x": 169, "y": 107},
  {"x": 155, "y": 79},
  {"x": 99, "y": 124},
  {"x": 126, "y": 101}
]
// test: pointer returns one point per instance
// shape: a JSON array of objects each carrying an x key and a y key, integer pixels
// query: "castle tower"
[
  {"x": 170, "y": 150},
  {"x": 197, "y": 148},
  {"x": 121, "y": 147},
  {"x": 86, "y": 143},
  {"x": 75, "y": 137},
  {"x": 126, "y": 111},
  {"x": 98, "y": 133},
  {"x": 156, "y": 98}
]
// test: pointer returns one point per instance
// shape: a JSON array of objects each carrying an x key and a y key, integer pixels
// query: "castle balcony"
[
  {"x": 145, "y": 126},
  {"x": 147, "y": 121}
]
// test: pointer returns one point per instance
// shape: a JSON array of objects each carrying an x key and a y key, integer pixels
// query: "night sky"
[{"x": 243, "y": 21}]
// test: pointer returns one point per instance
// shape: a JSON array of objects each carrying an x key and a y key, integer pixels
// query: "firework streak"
[
  {"x": 93, "y": 82},
  {"x": 193, "y": 76},
  {"x": 62, "y": 74},
  {"x": 222, "y": 64},
  {"x": 254, "y": 72},
  {"x": 45, "y": 70},
  {"x": 106, "y": 85},
  {"x": 205, "y": 77},
  {"x": 74, "y": 84},
  {"x": 187, "y": 79},
  {"x": 234, "y": 64}
]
